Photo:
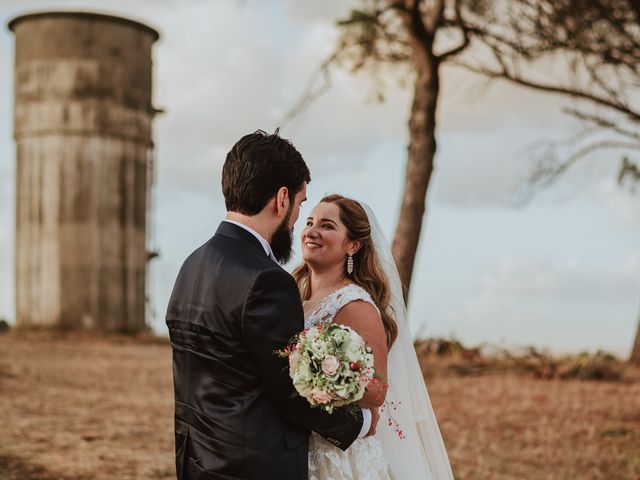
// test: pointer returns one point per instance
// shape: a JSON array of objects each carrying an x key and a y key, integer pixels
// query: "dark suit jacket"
[{"x": 237, "y": 414}]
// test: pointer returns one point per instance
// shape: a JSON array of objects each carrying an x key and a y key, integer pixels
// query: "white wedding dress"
[
  {"x": 364, "y": 459},
  {"x": 420, "y": 453}
]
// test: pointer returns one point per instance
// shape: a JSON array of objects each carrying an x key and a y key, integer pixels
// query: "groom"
[{"x": 237, "y": 414}]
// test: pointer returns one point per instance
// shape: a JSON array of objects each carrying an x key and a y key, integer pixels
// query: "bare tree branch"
[
  {"x": 556, "y": 89},
  {"x": 603, "y": 123},
  {"x": 311, "y": 91},
  {"x": 631, "y": 170},
  {"x": 420, "y": 37},
  {"x": 465, "y": 34},
  {"x": 436, "y": 14},
  {"x": 547, "y": 174}
]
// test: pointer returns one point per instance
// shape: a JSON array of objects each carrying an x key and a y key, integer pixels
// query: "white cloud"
[
  {"x": 623, "y": 203},
  {"x": 327, "y": 11},
  {"x": 562, "y": 305},
  {"x": 224, "y": 68},
  {"x": 474, "y": 169},
  {"x": 469, "y": 103}
]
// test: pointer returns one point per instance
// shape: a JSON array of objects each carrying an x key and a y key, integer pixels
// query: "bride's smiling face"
[{"x": 325, "y": 238}]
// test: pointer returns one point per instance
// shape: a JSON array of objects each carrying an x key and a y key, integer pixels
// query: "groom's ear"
[{"x": 282, "y": 201}]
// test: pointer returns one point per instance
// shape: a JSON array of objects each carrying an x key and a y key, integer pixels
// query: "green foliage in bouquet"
[{"x": 330, "y": 365}]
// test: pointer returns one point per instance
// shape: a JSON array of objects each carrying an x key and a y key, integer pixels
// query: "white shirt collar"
[{"x": 263, "y": 242}]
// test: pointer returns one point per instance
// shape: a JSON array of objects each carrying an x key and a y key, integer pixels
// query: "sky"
[{"x": 561, "y": 272}]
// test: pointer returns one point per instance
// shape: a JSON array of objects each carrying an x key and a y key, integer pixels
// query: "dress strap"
[
  {"x": 348, "y": 294},
  {"x": 332, "y": 303}
]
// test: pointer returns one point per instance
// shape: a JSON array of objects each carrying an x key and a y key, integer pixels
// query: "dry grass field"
[{"x": 86, "y": 407}]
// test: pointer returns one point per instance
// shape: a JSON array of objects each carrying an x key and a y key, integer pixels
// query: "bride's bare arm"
[{"x": 364, "y": 319}]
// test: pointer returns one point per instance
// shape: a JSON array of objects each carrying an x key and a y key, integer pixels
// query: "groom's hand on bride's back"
[{"x": 375, "y": 416}]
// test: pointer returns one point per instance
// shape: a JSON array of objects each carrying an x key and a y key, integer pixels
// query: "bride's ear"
[{"x": 355, "y": 247}]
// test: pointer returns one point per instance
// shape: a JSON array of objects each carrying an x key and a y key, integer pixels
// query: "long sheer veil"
[{"x": 421, "y": 454}]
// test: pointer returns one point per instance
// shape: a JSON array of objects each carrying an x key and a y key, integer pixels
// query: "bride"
[{"x": 348, "y": 276}]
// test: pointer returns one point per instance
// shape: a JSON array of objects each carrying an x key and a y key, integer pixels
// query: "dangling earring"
[{"x": 349, "y": 264}]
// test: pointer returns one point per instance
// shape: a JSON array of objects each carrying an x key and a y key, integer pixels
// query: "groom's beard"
[{"x": 282, "y": 240}]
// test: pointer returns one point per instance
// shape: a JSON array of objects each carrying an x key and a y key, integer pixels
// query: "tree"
[
  {"x": 599, "y": 41},
  {"x": 411, "y": 34},
  {"x": 635, "y": 350},
  {"x": 596, "y": 43}
]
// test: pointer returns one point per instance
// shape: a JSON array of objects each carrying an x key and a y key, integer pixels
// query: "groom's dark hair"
[{"x": 257, "y": 166}]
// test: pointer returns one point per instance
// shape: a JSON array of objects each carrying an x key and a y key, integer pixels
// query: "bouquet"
[{"x": 330, "y": 365}]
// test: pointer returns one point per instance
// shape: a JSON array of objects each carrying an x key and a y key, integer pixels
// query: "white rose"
[
  {"x": 355, "y": 337},
  {"x": 294, "y": 358},
  {"x": 330, "y": 365},
  {"x": 301, "y": 374}
]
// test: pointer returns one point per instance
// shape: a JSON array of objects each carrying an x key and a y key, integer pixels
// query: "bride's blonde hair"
[{"x": 368, "y": 273}]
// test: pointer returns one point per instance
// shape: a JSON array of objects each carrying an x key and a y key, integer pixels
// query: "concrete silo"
[{"x": 82, "y": 127}]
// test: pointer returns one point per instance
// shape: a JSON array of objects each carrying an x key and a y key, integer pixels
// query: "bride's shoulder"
[
  {"x": 350, "y": 294},
  {"x": 358, "y": 310}
]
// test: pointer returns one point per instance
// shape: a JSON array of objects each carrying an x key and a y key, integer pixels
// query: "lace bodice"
[
  {"x": 332, "y": 303},
  {"x": 365, "y": 459}
]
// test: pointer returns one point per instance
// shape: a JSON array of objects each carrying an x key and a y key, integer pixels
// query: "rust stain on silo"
[{"x": 82, "y": 124}]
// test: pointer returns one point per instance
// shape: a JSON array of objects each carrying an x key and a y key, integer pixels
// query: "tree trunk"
[
  {"x": 421, "y": 152},
  {"x": 635, "y": 351}
]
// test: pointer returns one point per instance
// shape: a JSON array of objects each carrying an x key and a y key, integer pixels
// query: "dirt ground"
[{"x": 85, "y": 407}]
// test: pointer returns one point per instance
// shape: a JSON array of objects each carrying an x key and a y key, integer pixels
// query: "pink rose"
[
  {"x": 321, "y": 397},
  {"x": 330, "y": 365}
]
